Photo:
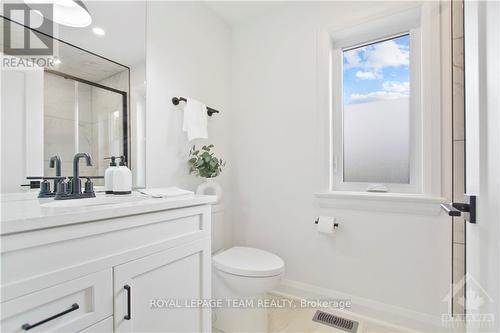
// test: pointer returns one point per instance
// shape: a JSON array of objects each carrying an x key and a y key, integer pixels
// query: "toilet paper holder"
[{"x": 335, "y": 225}]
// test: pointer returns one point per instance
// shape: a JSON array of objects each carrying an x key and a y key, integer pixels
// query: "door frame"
[{"x": 482, "y": 108}]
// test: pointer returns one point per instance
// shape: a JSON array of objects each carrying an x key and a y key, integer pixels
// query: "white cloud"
[
  {"x": 353, "y": 58},
  {"x": 388, "y": 53},
  {"x": 375, "y": 96},
  {"x": 394, "y": 86},
  {"x": 367, "y": 75},
  {"x": 392, "y": 90},
  {"x": 377, "y": 56}
]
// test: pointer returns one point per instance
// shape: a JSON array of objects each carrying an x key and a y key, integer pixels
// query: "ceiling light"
[
  {"x": 56, "y": 61},
  {"x": 72, "y": 13},
  {"x": 98, "y": 31}
]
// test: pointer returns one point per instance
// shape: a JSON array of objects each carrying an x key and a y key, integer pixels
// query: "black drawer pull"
[
  {"x": 128, "y": 316},
  {"x": 27, "y": 326}
]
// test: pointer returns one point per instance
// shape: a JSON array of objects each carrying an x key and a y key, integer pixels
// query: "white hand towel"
[
  {"x": 195, "y": 120},
  {"x": 167, "y": 192}
]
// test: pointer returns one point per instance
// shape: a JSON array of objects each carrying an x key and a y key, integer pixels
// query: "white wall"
[
  {"x": 21, "y": 126},
  {"x": 13, "y": 118},
  {"x": 138, "y": 120},
  {"x": 400, "y": 260},
  {"x": 269, "y": 133},
  {"x": 188, "y": 54}
]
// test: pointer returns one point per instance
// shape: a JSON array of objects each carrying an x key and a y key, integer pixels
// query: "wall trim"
[
  {"x": 369, "y": 309},
  {"x": 381, "y": 202}
]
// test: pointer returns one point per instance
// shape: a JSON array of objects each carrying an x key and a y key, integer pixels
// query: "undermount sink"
[{"x": 92, "y": 202}]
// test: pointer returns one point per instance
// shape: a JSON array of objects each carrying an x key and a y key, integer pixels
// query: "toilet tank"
[{"x": 218, "y": 228}]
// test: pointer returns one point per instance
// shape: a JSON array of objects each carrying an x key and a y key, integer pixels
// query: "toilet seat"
[{"x": 250, "y": 262}]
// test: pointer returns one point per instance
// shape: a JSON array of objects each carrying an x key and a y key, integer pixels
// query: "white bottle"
[
  {"x": 122, "y": 178},
  {"x": 108, "y": 175}
]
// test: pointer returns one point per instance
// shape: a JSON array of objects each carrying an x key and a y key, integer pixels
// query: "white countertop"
[{"x": 23, "y": 212}]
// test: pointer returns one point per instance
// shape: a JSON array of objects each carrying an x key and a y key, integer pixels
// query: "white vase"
[{"x": 210, "y": 187}]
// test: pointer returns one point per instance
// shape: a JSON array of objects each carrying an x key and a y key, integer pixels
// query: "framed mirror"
[{"x": 88, "y": 95}]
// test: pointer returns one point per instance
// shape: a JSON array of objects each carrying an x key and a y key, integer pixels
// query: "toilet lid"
[{"x": 247, "y": 261}]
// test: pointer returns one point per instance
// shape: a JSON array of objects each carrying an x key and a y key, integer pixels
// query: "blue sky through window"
[{"x": 378, "y": 71}]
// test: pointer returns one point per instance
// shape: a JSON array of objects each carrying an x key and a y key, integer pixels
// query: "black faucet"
[
  {"x": 45, "y": 189},
  {"x": 75, "y": 188},
  {"x": 55, "y": 161},
  {"x": 77, "y": 185}
]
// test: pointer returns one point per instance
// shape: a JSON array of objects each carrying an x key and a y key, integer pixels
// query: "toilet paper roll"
[{"x": 325, "y": 224}]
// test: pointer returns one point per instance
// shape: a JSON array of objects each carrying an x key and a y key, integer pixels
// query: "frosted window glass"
[{"x": 376, "y": 112}]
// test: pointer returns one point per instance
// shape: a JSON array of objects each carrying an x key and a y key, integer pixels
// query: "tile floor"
[
  {"x": 292, "y": 319},
  {"x": 299, "y": 320}
]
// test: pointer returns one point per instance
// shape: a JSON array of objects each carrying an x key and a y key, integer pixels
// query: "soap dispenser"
[
  {"x": 108, "y": 175},
  {"x": 122, "y": 178}
]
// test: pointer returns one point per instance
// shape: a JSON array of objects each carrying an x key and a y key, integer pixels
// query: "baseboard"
[{"x": 369, "y": 309}]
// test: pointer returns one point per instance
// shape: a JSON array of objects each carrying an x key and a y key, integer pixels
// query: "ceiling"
[
  {"x": 124, "y": 23},
  {"x": 73, "y": 61},
  {"x": 237, "y": 12}
]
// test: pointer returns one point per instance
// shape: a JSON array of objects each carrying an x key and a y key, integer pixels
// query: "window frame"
[{"x": 377, "y": 31}]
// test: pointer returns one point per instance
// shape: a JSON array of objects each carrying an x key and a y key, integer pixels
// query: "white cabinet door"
[{"x": 176, "y": 275}]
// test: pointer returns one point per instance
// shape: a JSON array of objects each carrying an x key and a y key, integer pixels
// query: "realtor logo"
[
  {"x": 476, "y": 295},
  {"x": 20, "y": 41},
  {"x": 474, "y": 302}
]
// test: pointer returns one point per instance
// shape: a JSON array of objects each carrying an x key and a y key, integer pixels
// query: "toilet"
[{"x": 241, "y": 277}]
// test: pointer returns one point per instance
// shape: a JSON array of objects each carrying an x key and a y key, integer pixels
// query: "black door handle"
[
  {"x": 128, "y": 316},
  {"x": 468, "y": 208},
  {"x": 450, "y": 210},
  {"x": 27, "y": 326}
]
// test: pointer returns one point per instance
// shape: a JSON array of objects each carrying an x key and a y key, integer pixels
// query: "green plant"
[{"x": 203, "y": 163}]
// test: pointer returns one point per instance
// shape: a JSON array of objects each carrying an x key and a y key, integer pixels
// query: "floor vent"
[{"x": 335, "y": 321}]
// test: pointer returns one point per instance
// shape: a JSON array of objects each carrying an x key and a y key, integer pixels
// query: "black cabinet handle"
[
  {"x": 27, "y": 326},
  {"x": 129, "y": 315}
]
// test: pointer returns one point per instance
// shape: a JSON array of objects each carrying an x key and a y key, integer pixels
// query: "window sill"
[{"x": 381, "y": 202}]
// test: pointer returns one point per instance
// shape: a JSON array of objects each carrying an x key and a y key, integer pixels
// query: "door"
[
  {"x": 482, "y": 163},
  {"x": 158, "y": 293}
]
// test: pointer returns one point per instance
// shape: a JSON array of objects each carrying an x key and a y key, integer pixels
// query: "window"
[
  {"x": 384, "y": 125},
  {"x": 376, "y": 111},
  {"x": 384, "y": 106}
]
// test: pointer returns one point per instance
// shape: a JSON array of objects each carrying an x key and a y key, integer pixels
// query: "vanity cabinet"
[
  {"x": 73, "y": 305},
  {"x": 121, "y": 274},
  {"x": 144, "y": 287},
  {"x": 105, "y": 325}
]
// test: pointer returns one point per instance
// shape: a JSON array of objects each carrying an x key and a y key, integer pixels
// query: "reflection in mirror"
[
  {"x": 88, "y": 96},
  {"x": 84, "y": 116}
]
